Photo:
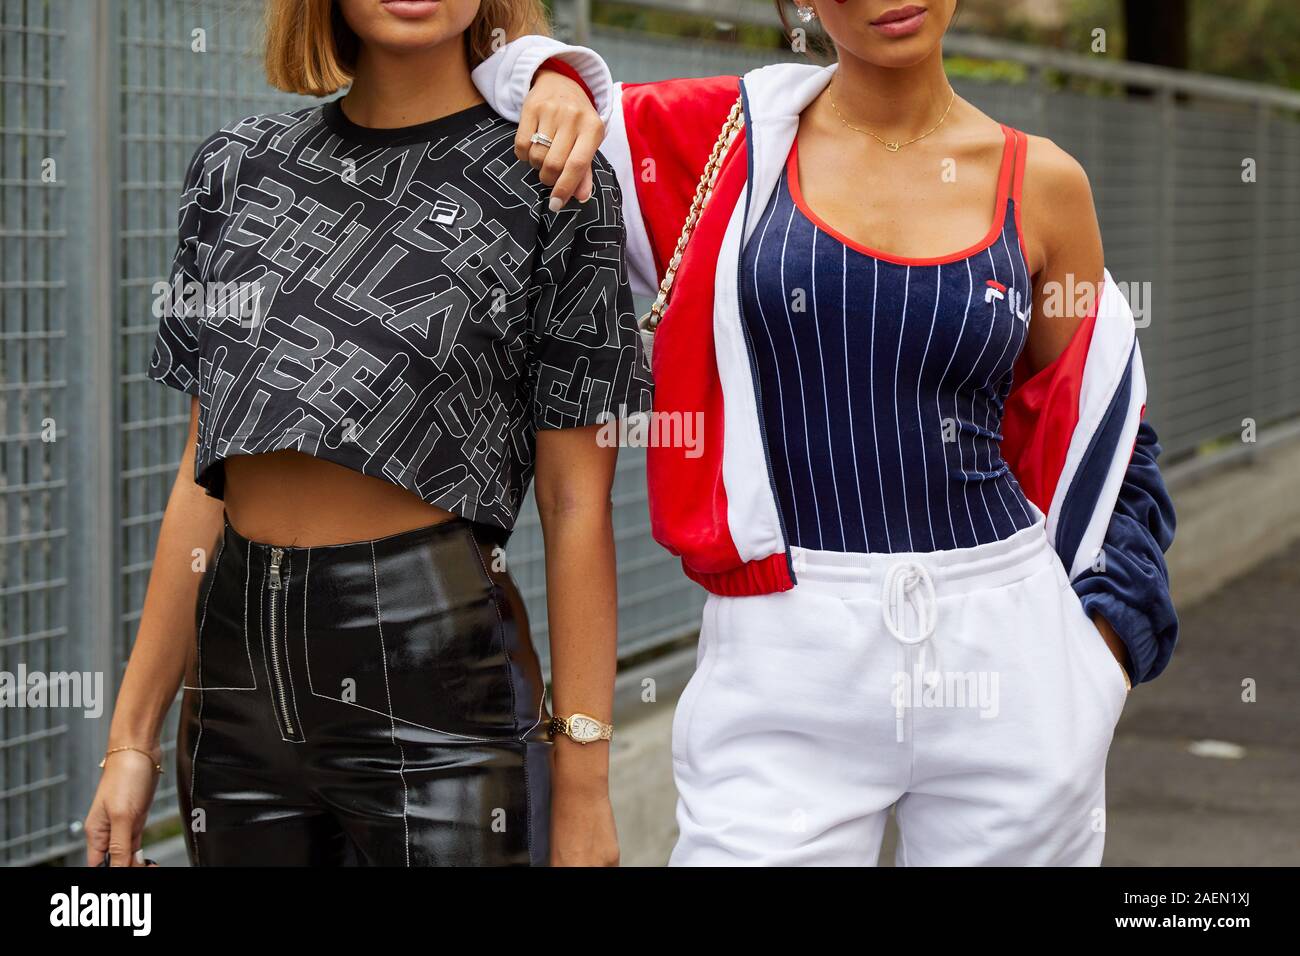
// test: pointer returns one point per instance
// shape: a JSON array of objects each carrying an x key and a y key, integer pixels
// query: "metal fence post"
[
  {"x": 1162, "y": 282},
  {"x": 1258, "y": 316},
  {"x": 581, "y": 21},
  {"x": 571, "y": 21},
  {"x": 91, "y": 167}
]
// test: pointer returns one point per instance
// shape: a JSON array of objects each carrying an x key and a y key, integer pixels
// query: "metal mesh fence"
[
  {"x": 101, "y": 105},
  {"x": 182, "y": 71},
  {"x": 35, "y": 798}
]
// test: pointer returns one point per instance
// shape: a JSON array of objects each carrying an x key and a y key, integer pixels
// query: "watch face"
[{"x": 583, "y": 728}]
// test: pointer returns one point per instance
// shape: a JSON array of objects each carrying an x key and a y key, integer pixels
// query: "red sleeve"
[
  {"x": 671, "y": 127},
  {"x": 559, "y": 66},
  {"x": 1041, "y": 414}
]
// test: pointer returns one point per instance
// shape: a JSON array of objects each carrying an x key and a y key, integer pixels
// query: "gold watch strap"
[{"x": 563, "y": 725}]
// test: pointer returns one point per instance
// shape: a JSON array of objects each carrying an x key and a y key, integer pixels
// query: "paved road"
[{"x": 1170, "y": 807}]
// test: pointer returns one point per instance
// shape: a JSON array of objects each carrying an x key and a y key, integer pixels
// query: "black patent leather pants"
[{"x": 370, "y": 703}]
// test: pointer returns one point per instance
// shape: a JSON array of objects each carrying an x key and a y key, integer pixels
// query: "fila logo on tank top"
[{"x": 882, "y": 379}]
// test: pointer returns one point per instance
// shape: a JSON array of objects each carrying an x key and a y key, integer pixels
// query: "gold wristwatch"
[{"x": 582, "y": 728}]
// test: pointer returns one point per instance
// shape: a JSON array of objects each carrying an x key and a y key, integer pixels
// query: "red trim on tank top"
[
  {"x": 1005, "y": 171},
  {"x": 1017, "y": 182}
]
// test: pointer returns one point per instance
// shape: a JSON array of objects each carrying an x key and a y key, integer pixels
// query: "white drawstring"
[
  {"x": 903, "y": 581},
  {"x": 908, "y": 583}
]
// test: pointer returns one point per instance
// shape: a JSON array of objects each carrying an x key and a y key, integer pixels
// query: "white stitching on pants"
[
  {"x": 252, "y": 675},
  {"x": 198, "y": 638},
  {"x": 338, "y": 700},
  {"x": 379, "y": 622}
]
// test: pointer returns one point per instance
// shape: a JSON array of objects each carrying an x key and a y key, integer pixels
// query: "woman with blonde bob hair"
[
  {"x": 311, "y": 47},
  {"x": 408, "y": 332}
]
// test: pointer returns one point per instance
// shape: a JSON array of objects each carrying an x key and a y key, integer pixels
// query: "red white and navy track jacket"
[{"x": 1074, "y": 435}]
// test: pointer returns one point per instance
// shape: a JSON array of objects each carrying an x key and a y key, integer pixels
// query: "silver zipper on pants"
[{"x": 277, "y": 554}]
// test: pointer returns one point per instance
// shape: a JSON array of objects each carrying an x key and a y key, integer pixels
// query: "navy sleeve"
[{"x": 1129, "y": 586}]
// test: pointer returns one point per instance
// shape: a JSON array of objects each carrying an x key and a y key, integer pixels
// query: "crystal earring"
[{"x": 805, "y": 14}]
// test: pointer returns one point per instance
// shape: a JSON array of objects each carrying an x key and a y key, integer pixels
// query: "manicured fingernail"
[{"x": 555, "y": 205}]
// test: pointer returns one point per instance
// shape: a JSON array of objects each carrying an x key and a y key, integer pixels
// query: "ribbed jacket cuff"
[
  {"x": 763, "y": 576},
  {"x": 1133, "y": 628},
  {"x": 505, "y": 77}
]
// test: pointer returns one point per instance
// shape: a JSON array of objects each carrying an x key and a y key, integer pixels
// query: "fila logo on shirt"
[
  {"x": 444, "y": 212},
  {"x": 997, "y": 291}
]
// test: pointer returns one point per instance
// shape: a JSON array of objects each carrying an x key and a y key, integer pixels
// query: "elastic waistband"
[{"x": 997, "y": 563}]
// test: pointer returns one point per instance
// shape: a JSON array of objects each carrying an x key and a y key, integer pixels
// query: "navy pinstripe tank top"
[{"x": 881, "y": 380}]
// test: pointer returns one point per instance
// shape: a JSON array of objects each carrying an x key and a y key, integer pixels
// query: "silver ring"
[{"x": 541, "y": 139}]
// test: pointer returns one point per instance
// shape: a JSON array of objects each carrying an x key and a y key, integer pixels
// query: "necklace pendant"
[{"x": 893, "y": 147}]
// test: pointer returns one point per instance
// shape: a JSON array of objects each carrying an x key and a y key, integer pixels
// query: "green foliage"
[
  {"x": 1256, "y": 40},
  {"x": 629, "y": 16},
  {"x": 1086, "y": 16},
  {"x": 1250, "y": 39},
  {"x": 988, "y": 71}
]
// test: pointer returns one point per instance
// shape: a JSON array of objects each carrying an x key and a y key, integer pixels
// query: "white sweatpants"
[{"x": 967, "y": 688}]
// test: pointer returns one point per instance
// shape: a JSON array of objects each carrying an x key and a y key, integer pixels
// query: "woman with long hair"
[
  {"x": 927, "y": 509},
  {"x": 387, "y": 329}
]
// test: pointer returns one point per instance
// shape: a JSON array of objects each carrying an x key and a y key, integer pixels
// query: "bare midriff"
[{"x": 292, "y": 499}]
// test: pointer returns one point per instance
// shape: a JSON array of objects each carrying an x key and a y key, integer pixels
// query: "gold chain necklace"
[{"x": 891, "y": 146}]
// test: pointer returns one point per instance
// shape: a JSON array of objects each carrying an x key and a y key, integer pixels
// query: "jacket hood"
[
  {"x": 783, "y": 90},
  {"x": 774, "y": 96}
]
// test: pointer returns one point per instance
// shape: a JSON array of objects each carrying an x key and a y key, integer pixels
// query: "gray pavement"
[{"x": 1170, "y": 807}]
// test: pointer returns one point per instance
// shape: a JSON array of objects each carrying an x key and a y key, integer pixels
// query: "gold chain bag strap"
[{"x": 649, "y": 322}]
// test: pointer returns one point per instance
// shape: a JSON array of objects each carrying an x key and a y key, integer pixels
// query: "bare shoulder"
[
  {"x": 1052, "y": 172},
  {"x": 1056, "y": 204},
  {"x": 1047, "y": 161}
]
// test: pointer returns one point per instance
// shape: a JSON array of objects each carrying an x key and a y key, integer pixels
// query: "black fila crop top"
[{"x": 397, "y": 301}]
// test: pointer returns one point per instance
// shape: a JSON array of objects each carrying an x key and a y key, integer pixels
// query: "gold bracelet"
[{"x": 108, "y": 753}]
